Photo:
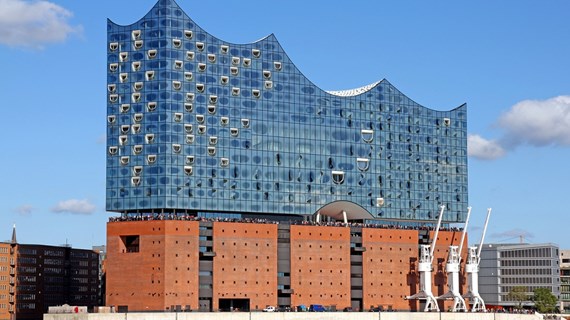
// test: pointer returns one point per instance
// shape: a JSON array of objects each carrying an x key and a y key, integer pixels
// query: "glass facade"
[{"x": 195, "y": 123}]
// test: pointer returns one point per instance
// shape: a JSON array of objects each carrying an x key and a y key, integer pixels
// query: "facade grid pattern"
[{"x": 195, "y": 123}]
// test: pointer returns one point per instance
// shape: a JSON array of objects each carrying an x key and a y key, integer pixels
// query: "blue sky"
[{"x": 508, "y": 60}]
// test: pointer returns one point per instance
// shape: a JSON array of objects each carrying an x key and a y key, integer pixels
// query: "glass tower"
[{"x": 199, "y": 124}]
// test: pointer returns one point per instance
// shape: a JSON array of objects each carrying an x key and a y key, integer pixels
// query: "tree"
[
  {"x": 519, "y": 295},
  {"x": 544, "y": 300}
]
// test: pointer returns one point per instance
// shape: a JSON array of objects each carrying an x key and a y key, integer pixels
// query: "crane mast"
[
  {"x": 452, "y": 269},
  {"x": 425, "y": 268},
  {"x": 472, "y": 269}
]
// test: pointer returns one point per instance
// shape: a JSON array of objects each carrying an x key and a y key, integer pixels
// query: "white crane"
[
  {"x": 452, "y": 270},
  {"x": 472, "y": 269},
  {"x": 425, "y": 268}
]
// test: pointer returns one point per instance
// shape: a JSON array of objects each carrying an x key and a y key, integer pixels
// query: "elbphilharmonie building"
[{"x": 200, "y": 128}]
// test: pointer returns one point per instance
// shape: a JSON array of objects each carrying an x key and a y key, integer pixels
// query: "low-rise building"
[{"x": 506, "y": 266}]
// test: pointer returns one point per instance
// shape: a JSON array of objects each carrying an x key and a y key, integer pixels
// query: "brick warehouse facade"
[{"x": 211, "y": 266}]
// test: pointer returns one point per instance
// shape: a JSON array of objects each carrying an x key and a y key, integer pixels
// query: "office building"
[
  {"x": 200, "y": 129},
  {"x": 34, "y": 277},
  {"x": 505, "y": 266}
]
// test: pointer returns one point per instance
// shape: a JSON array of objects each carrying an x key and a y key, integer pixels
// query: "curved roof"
[
  {"x": 353, "y": 211},
  {"x": 164, "y": 6}
]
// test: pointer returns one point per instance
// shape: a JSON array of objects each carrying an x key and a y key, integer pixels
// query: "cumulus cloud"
[
  {"x": 513, "y": 234},
  {"x": 74, "y": 206},
  {"x": 538, "y": 123},
  {"x": 481, "y": 148},
  {"x": 25, "y": 209},
  {"x": 32, "y": 24}
]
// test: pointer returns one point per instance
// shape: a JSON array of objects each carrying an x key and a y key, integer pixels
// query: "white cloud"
[
  {"x": 33, "y": 24},
  {"x": 25, "y": 209},
  {"x": 74, "y": 206},
  {"x": 538, "y": 123},
  {"x": 483, "y": 149}
]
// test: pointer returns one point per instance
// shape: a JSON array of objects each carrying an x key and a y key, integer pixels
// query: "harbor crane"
[
  {"x": 452, "y": 269},
  {"x": 472, "y": 269},
  {"x": 425, "y": 267}
]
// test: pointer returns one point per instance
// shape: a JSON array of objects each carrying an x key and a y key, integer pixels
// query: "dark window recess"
[{"x": 130, "y": 243}]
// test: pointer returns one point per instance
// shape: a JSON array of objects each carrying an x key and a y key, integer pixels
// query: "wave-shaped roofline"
[{"x": 333, "y": 93}]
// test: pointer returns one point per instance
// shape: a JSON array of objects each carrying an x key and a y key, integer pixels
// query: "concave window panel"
[
  {"x": 124, "y": 160},
  {"x": 113, "y": 150},
  {"x": 138, "y": 44},
  {"x": 149, "y": 138},
  {"x": 135, "y": 181},
  {"x": 190, "y": 160},
  {"x": 138, "y": 86},
  {"x": 363, "y": 164},
  {"x": 137, "y": 170},
  {"x": 113, "y": 46},
  {"x": 188, "y": 34},
  {"x": 190, "y": 55},
  {"x": 136, "y": 128},
  {"x": 113, "y": 67},
  {"x": 338, "y": 177},
  {"x": 136, "y": 34},
  {"x": 188, "y": 128},
  {"x": 176, "y": 148},
  {"x": 137, "y": 149},
  {"x": 256, "y": 53},
  {"x": 188, "y": 76},
  {"x": 189, "y": 138},
  {"x": 151, "y": 54},
  {"x": 224, "y": 162},
  {"x": 151, "y": 158},
  {"x": 123, "y": 139},
  {"x": 367, "y": 135},
  {"x": 123, "y": 56},
  {"x": 111, "y": 119},
  {"x": 151, "y": 106},
  {"x": 136, "y": 65},
  {"x": 188, "y": 170},
  {"x": 379, "y": 202},
  {"x": 178, "y": 64},
  {"x": 189, "y": 107},
  {"x": 149, "y": 75},
  {"x": 200, "y": 46},
  {"x": 137, "y": 117}
]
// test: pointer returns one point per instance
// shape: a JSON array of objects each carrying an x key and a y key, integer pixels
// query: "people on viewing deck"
[{"x": 188, "y": 217}]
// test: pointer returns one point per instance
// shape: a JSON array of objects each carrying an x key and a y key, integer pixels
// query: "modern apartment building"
[
  {"x": 204, "y": 135},
  {"x": 505, "y": 266},
  {"x": 565, "y": 281},
  {"x": 35, "y": 277}
]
